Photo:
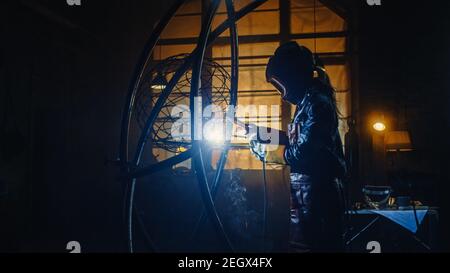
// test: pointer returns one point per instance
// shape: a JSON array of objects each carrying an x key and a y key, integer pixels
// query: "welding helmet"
[{"x": 291, "y": 70}]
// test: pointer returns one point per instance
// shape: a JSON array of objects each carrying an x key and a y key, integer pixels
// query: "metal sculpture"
[{"x": 186, "y": 72}]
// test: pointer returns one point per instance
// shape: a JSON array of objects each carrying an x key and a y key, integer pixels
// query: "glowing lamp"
[{"x": 379, "y": 126}]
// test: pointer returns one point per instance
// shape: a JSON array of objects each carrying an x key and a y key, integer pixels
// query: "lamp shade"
[{"x": 398, "y": 141}]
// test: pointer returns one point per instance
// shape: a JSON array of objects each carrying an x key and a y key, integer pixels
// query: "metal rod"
[
  {"x": 362, "y": 230},
  {"x": 233, "y": 102},
  {"x": 198, "y": 160},
  {"x": 130, "y": 184}
]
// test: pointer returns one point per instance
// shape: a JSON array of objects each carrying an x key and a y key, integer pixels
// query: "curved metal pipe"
[
  {"x": 233, "y": 88},
  {"x": 233, "y": 102},
  {"x": 241, "y": 13},
  {"x": 126, "y": 115},
  {"x": 137, "y": 78},
  {"x": 197, "y": 145}
]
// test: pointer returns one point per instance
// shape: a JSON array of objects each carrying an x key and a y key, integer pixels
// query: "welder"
[{"x": 314, "y": 150}]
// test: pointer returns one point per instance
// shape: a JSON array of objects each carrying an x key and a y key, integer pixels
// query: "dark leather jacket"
[{"x": 318, "y": 148}]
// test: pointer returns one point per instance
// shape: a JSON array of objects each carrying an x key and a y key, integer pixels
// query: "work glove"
[{"x": 258, "y": 149}]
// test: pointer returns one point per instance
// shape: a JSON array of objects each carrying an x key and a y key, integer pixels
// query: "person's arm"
[
  {"x": 282, "y": 136},
  {"x": 253, "y": 128}
]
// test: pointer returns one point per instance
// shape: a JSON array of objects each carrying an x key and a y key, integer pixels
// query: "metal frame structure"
[{"x": 130, "y": 168}]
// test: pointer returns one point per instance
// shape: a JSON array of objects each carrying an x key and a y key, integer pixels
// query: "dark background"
[{"x": 64, "y": 73}]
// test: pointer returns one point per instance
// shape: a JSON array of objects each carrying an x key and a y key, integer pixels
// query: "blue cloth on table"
[{"x": 405, "y": 218}]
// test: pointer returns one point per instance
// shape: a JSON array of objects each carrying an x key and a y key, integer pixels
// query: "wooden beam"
[{"x": 257, "y": 38}]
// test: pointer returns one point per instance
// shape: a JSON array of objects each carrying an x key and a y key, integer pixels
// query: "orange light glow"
[{"x": 379, "y": 126}]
